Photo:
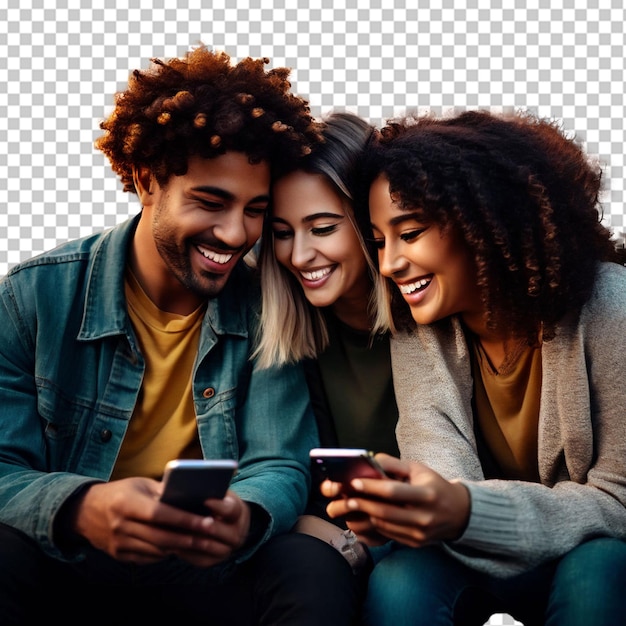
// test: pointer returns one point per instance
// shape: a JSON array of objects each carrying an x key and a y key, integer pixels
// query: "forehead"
[
  {"x": 300, "y": 193},
  {"x": 230, "y": 171},
  {"x": 380, "y": 197}
]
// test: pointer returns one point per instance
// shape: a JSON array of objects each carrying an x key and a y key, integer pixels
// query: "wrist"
[{"x": 65, "y": 532}]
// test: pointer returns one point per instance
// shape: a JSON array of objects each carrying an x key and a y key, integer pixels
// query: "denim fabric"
[
  {"x": 71, "y": 372},
  {"x": 411, "y": 587}
]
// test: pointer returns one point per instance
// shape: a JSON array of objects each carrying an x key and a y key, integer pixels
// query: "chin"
[{"x": 423, "y": 318}]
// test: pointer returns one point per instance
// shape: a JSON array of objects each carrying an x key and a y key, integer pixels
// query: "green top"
[{"x": 357, "y": 382}]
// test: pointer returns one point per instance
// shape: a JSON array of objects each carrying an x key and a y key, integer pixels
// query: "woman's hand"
[{"x": 416, "y": 506}]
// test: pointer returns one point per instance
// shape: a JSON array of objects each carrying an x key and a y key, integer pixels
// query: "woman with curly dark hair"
[{"x": 508, "y": 298}]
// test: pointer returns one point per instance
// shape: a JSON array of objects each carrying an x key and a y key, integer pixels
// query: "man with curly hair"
[{"x": 128, "y": 348}]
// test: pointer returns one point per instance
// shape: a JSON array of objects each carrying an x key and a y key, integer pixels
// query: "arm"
[
  {"x": 277, "y": 430},
  {"x": 49, "y": 488},
  {"x": 513, "y": 526}
]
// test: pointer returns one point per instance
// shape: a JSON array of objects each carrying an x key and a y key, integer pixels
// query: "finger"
[
  {"x": 409, "y": 525},
  {"x": 168, "y": 516},
  {"x": 137, "y": 539},
  {"x": 393, "y": 491},
  {"x": 228, "y": 508},
  {"x": 330, "y": 489},
  {"x": 361, "y": 525},
  {"x": 337, "y": 508},
  {"x": 413, "y": 536},
  {"x": 393, "y": 466},
  {"x": 390, "y": 511}
]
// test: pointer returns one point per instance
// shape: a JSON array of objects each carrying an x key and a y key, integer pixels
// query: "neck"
[{"x": 353, "y": 313}]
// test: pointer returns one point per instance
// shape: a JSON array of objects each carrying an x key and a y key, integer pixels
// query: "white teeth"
[
  {"x": 214, "y": 256},
  {"x": 411, "y": 287},
  {"x": 316, "y": 275}
]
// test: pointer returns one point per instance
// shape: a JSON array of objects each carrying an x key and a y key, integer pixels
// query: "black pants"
[{"x": 294, "y": 579}]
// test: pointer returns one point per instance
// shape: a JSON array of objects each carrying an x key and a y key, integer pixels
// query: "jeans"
[
  {"x": 427, "y": 586},
  {"x": 293, "y": 579}
]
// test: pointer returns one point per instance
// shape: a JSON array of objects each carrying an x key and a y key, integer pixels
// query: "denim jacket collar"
[{"x": 225, "y": 314}]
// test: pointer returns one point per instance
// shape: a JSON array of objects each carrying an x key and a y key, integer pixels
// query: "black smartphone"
[
  {"x": 341, "y": 465},
  {"x": 189, "y": 482}
]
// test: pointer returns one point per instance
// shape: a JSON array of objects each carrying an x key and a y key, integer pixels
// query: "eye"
[
  {"x": 378, "y": 244},
  {"x": 282, "y": 233},
  {"x": 256, "y": 211},
  {"x": 320, "y": 231},
  {"x": 211, "y": 206},
  {"x": 412, "y": 234}
]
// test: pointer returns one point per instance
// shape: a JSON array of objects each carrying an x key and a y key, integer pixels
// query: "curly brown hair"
[
  {"x": 202, "y": 104},
  {"x": 525, "y": 198}
]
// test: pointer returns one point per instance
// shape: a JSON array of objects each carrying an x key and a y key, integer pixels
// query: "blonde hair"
[{"x": 291, "y": 328}]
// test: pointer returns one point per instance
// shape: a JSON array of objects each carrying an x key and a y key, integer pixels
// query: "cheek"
[
  {"x": 356, "y": 264},
  {"x": 282, "y": 250},
  {"x": 347, "y": 248}
]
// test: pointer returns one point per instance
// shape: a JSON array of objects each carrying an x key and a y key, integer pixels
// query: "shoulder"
[
  {"x": 60, "y": 279},
  {"x": 433, "y": 352},
  {"x": 608, "y": 297},
  {"x": 446, "y": 335},
  {"x": 67, "y": 256},
  {"x": 610, "y": 280}
]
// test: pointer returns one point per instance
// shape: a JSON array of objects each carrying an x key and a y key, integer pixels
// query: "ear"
[{"x": 144, "y": 184}]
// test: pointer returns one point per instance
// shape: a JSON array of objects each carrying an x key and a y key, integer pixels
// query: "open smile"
[
  {"x": 217, "y": 257},
  {"x": 406, "y": 289},
  {"x": 316, "y": 274}
]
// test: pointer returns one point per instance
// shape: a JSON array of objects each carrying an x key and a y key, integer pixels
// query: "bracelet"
[{"x": 344, "y": 541}]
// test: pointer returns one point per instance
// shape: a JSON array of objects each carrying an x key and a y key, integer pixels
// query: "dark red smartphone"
[{"x": 341, "y": 465}]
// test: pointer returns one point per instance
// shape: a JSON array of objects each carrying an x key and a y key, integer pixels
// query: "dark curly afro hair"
[
  {"x": 525, "y": 198},
  {"x": 203, "y": 104}
]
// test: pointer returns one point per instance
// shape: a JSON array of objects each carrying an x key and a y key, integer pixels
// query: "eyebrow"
[
  {"x": 310, "y": 218},
  {"x": 226, "y": 195},
  {"x": 405, "y": 217}
]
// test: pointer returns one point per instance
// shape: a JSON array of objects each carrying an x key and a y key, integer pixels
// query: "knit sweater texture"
[{"x": 514, "y": 525}]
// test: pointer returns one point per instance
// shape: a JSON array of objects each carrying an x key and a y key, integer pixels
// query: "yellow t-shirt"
[
  {"x": 507, "y": 410},
  {"x": 163, "y": 425}
]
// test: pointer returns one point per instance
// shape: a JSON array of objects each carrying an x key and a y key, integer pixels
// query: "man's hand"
[{"x": 125, "y": 519}]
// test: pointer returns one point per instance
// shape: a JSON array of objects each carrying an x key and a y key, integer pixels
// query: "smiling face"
[
  {"x": 316, "y": 241},
  {"x": 195, "y": 229},
  {"x": 435, "y": 271}
]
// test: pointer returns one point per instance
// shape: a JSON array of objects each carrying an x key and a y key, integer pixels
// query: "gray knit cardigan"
[{"x": 516, "y": 525}]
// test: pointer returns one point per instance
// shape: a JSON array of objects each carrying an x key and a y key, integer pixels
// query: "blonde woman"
[{"x": 318, "y": 286}]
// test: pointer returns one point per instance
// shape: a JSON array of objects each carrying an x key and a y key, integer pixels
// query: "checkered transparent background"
[{"x": 60, "y": 64}]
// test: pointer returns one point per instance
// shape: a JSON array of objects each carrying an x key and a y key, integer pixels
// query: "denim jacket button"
[
  {"x": 105, "y": 435},
  {"x": 209, "y": 392}
]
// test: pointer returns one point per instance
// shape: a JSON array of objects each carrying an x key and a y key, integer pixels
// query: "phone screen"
[
  {"x": 188, "y": 483},
  {"x": 344, "y": 464}
]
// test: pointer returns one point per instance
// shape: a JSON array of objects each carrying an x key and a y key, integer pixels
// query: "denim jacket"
[{"x": 71, "y": 372}]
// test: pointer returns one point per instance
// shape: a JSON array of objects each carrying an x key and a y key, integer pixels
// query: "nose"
[
  {"x": 302, "y": 252},
  {"x": 233, "y": 230},
  {"x": 390, "y": 261}
]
